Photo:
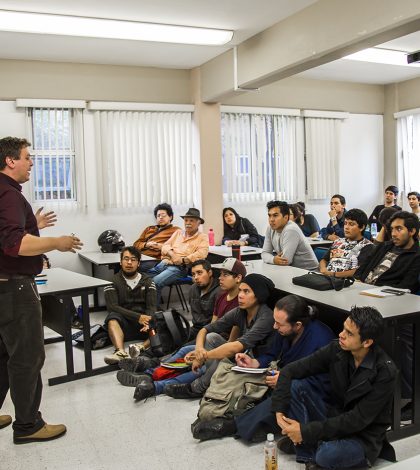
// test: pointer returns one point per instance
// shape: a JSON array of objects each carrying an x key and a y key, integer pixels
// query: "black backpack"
[{"x": 169, "y": 330}]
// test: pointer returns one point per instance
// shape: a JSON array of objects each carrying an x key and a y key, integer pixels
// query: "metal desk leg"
[{"x": 86, "y": 332}]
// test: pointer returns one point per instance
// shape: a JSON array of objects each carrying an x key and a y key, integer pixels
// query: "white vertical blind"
[
  {"x": 408, "y": 135},
  {"x": 260, "y": 157},
  {"x": 322, "y": 156},
  {"x": 144, "y": 158}
]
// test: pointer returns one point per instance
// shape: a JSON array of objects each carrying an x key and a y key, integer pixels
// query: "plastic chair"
[{"x": 187, "y": 280}]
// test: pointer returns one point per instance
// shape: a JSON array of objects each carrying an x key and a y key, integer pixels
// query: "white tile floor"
[{"x": 108, "y": 430}]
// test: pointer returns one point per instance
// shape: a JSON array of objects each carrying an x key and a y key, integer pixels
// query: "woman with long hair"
[{"x": 238, "y": 230}]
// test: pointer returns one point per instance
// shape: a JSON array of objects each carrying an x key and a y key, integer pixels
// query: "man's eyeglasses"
[{"x": 127, "y": 259}]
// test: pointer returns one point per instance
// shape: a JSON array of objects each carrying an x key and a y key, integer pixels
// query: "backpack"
[
  {"x": 231, "y": 393},
  {"x": 168, "y": 331},
  {"x": 99, "y": 337}
]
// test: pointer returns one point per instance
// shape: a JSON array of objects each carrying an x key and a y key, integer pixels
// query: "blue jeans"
[
  {"x": 307, "y": 405},
  {"x": 185, "y": 378},
  {"x": 165, "y": 274}
]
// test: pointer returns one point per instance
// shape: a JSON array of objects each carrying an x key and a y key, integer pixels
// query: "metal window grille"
[{"x": 53, "y": 155}]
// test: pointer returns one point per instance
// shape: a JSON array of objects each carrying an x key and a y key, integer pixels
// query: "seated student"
[
  {"x": 299, "y": 335},
  {"x": 153, "y": 237},
  {"x": 307, "y": 222},
  {"x": 254, "y": 322},
  {"x": 130, "y": 301},
  {"x": 284, "y": 242},
  {"x": 346, "y": 254},
  {"x": 351, "y": 430},
  {"x": 183, "y": 248},
  {"x": 202, "y": 295},
  {"x": 335, "y": 227},
  {"x": 232, "y": 273},
  {"x": 391, "y": 194},
  {"x": 414, "y": 202},
  {"x": 384, "y": 218},
  {"x": 396, "y": 263},
  {"x": 238, "y": 230}
]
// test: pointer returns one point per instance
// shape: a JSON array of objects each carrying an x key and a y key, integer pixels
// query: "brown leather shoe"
[
  {"x": 46, "y": 433},
  {"x": 5, "y": 420}
]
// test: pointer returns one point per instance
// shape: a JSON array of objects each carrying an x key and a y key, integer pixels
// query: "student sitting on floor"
[
  {"x": 299, "y": 335},
  {"x": 231, "y": 275},
  {"x": 346, "y": 254},
  {"x": 351, "y": 431},
  {"x": 130, "y": 301}
]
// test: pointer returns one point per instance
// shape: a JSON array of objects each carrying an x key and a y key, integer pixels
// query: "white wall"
[{"x": 360, "y": 168}]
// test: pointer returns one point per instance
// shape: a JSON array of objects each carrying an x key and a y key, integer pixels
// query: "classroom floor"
[{"x": 107, "y": 429}]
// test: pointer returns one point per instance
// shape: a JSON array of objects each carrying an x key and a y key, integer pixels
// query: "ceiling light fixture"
[
  {"x": 40, "y": 23},
  {"x": 377, "y": 55}
]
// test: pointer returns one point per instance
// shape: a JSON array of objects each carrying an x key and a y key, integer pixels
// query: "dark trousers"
[
  {"x": 21, "y": 352},
  {"x": 308, "y": 405},
  {"x": 251, "y": 424}
]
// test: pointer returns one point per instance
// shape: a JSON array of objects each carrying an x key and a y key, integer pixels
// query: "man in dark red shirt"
[{"x": 21, "y": 335}]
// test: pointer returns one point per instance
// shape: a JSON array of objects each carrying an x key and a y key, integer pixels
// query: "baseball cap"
[{"x": 232, "y": 265}]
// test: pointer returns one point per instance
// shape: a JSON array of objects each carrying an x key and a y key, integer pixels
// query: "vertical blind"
[
  {"x": 261, "y": 157},
  {"x": 408, "y": 135},
  {"x": 322, "y": 155},
  {"x": 144, "y": 158}
]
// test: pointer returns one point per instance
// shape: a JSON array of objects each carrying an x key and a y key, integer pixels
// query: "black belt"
[{"x": 7, "y": 277}]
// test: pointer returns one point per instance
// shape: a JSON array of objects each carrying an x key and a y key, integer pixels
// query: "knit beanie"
[{"x": 261, "y": 286}]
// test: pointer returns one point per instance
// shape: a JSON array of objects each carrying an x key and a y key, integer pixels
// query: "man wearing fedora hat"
[{"x": 183, "y": 248}]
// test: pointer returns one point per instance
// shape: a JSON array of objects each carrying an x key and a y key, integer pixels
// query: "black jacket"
[
  {"x": 202, "y": 305},
  {"x": 404, "y": 272},
  {"x": 244, "y": 226},
  {"x": 363, "y": 397}
]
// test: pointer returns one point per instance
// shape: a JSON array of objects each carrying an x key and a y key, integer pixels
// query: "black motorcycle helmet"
[{"x": 110, "y": 241}]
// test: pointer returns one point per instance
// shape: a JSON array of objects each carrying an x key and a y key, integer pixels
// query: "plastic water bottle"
[
  {"x": 373, "y": 230},
  {"x": 211, "y": 237},
  {"x": 80, "y": 312},
  {"x": 270, "y": 453}
]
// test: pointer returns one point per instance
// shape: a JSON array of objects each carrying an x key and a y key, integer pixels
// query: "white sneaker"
[
  {"x": 116, "y": 357},
  {"x": 135, "y": 349}
]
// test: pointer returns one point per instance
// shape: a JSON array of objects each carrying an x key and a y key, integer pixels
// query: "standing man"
[
  {"x": 285, "y": 244},
  {"x": 130, "y": 301},
  {"x": 414, "y": 202},
  {"x": 153, "y": 237},
  {"x": 335, "y": 227},
  {"x": 182, "y": 249},
  {"x": 21, "y": 334},
  {"x": 391, "y": 194},
  {"x": 351, "y": 431}
]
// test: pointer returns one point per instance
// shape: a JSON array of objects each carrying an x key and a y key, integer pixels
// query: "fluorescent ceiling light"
[
  {"x": 40, "y": 23},
  {"x": 381, "y": 56}
]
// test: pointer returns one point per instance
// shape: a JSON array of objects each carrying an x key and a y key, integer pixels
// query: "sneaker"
[
  {"x": 116, "y": 357},
  {"x": 285, "y": 445},
  {"x": 139, "y": 363},
  {"x": 46, "y": 433},
  {"x": 144, "y": 389},
  {"x": 181, "y": 391},
  {"x": 130, "y": 379},
  {"x": 407, "y": 413},
  {"x": 5, "y": 420},
  {"x": 135, "y": 349}
]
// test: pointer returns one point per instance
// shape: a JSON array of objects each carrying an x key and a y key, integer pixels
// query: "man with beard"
[
  {"x": 130, "y": 301},
  {"x": 299, "y": 335}
]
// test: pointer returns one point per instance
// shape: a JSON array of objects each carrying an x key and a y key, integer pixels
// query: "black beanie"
[{"x": 261, "y": 286}]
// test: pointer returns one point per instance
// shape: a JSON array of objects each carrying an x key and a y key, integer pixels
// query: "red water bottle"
[{"x": 211, "y": 237}]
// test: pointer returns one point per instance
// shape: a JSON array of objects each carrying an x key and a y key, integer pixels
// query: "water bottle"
[
  {"x": 373, "y": 230},
  {"x": 211, "y": 237},
  {"x": 270, "y": 453},
  {"x": 80, "y": 312}
]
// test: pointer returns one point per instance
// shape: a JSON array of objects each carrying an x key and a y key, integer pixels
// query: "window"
[
  {"x": 261, "y": 157},
  {"x": 53, "y": 155},
  {"x": 144, "y": 158},
  {"x": 408, "y": 128}
]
